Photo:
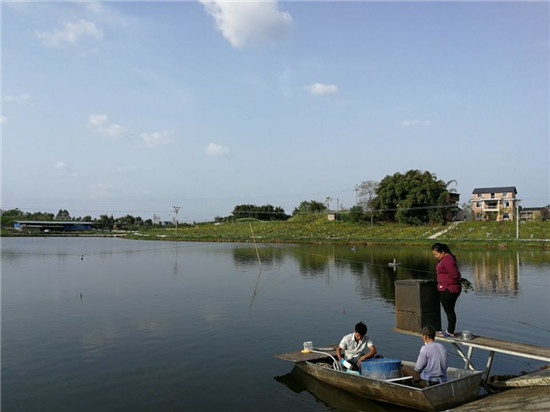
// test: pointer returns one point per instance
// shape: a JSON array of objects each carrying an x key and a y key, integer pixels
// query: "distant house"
[
  {"x": 50, "y": 225},
  {"x": 534, "y": 213},
  {"x": 494, "y": 203}
]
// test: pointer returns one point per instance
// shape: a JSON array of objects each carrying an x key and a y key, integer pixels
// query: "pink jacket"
[{"x": 448, "y": 276}]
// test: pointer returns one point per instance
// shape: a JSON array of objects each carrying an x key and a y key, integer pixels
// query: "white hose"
[{"x": 335, "y": 364}]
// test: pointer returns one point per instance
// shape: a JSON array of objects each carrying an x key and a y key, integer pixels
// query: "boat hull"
[{"x": 462, "y": 387}]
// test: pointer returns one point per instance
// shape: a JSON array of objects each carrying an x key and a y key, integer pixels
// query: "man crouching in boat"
[
  {"x": 431, "y": 365},
  {"x": 356, "y": 347}
]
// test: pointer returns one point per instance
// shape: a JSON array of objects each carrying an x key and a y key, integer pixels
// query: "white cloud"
[
  {"x": 70, "y": 34},
  {"x": 216, "y": 150},
  {"x": 17, "y": 98},
  {"x": 249, "y": 22},
  {"x": 63, "y": 170},
  {"x": 59, "y": 166},
  {"x": 318, "y": 89},
  {"x": 3, "y": 119},
  {"x": 95, "y": 7},
  {"x": 416, "y": 123},
  {"x": 157, "y": 138},
  {"x": 100, "y": 123}
]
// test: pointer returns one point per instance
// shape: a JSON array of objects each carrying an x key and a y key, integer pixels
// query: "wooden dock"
[
  {"x": 491, "y": 345},
  {"x": 520, "y": 399},
  {"x": 539, "y": 378}
]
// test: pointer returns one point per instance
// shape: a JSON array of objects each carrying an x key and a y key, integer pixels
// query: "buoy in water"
[{"x": 394, "y": 263}]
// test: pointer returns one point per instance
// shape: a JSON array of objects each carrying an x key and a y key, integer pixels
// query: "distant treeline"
[{"x": 414, "y": 198}]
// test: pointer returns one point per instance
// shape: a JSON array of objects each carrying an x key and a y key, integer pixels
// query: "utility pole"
[
  {"x": 356, "y": 194},
  {"x": 517, "y": 218},
  {"x": 176, "y": 209}
]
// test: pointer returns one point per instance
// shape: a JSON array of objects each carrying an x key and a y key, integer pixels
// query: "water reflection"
[
  {"x": 499, "y": 277},
  {"x": 494, "y": 272},
  {"x": 246, "y": 257}
]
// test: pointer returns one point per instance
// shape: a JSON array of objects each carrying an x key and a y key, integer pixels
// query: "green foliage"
[
  {"x": 105, "y": 222},
  {"x": 303, "y": 218},
  {"x": 466, "y": 285},
  {"x": 9, "y": 216},
  {"x": 313, "y": 206},
  {"x": 63, "y": 214},
  {"x": 265, "y": 212},
  {"x": 413, "y": 198},
  {"x": 354, "y": 215},
  {"x": 127, "y": 222},
  {"x": 39, "y": 216}
]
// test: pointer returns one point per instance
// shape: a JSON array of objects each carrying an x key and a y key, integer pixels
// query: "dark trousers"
[{"x": 448, "y": 301}]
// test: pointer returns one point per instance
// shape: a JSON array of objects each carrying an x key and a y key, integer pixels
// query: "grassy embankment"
[
  {"x": 320, "y": 230},
  {"x": 317, "y": 229}
]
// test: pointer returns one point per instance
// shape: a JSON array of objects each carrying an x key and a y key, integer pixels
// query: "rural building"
[
  {"x": 452, "y": 212},
  {"x": 534, "y": 213},
  {"x": 50, "y": 225},
  {"x": 494, "y": 203}
]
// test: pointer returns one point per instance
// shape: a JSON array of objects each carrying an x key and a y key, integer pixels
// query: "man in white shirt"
[{"x": 356, "y": 346}]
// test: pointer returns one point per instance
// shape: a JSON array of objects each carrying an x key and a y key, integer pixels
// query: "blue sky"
[{"x": 136, "y": 107}]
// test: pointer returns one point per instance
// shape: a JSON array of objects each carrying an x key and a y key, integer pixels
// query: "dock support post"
[
  {"x": 489, "y": 364},
  {"x": 466, "y": 358}
]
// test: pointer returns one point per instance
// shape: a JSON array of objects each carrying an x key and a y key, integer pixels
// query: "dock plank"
[
  {"x": 539, "y": 378},
  {"x": 299, "y": 356},
  {"x": 524, "y": 350}
]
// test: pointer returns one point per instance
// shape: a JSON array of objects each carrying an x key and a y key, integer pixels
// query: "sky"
[{"x": 135, "y": 107}]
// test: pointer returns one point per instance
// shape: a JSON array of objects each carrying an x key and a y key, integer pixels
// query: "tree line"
[
  {"x": 414, "y": 197},
  {"x": 9, "y": 217}
]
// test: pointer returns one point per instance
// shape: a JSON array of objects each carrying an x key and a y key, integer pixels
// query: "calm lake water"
[{"x": 106, "y": 324}]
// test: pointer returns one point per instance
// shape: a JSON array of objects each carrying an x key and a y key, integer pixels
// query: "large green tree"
[
  {"x": 264, "y": 212},
  {"x": 9, "y": 216},
  {"x": 63, "y": 214},
  {"x": 415, "y": 197},
  {"x": 307, "y": 207}
]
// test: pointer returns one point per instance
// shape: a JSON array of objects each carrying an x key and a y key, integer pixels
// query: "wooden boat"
[
  {"x": 462, "y": 385},
  {"x": 330, "y": 396}
]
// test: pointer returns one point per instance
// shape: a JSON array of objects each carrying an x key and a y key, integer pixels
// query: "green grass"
[
  {"x": 320, "y": 230},
  {"x": 317, "y": 229}
]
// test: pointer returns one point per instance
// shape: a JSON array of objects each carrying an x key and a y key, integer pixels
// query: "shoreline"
[{"x": 542, "y": 244}]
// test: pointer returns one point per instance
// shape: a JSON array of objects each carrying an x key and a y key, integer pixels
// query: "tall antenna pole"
[
  {"x": 176, "y": 209},
  {"x": 517, "y": 218}
]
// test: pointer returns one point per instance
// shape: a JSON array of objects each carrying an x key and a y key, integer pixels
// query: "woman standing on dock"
[{"x": 448, "y": 284}]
